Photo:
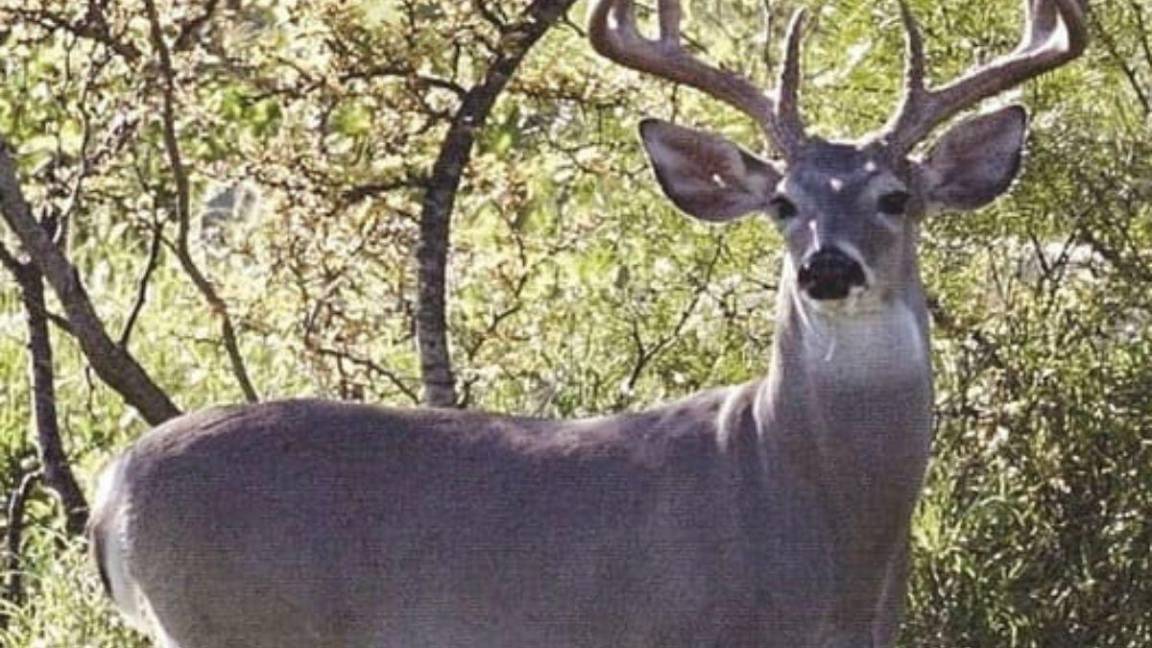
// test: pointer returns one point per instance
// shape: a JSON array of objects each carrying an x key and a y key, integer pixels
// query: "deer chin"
[{"x": 861, "y": 300}]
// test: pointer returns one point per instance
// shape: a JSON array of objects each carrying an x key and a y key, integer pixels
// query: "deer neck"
[{"x": 847, "y": 407}]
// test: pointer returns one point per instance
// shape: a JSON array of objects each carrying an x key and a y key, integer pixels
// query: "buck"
[{"x": 769, "y": 514}]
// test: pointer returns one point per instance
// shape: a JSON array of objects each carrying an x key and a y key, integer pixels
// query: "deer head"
[{"x": 849, "y": 211}]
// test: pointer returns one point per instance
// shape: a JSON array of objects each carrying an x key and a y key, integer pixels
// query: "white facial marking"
[{"x": 836, "y": 183}]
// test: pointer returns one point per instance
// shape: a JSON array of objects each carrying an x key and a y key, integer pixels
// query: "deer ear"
[
  {"x": 706, "y": 175},
  {"x": 976, "y": 160}
]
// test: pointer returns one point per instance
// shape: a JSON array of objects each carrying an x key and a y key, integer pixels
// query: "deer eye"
[
  {"x": 782, "y": 208},
  {"x": 894, "y": 202}
]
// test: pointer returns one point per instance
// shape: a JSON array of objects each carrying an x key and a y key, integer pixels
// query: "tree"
[{"x": 246, "y": 220}]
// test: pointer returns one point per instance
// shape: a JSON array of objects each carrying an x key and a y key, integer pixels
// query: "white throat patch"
[{"x": 864, "y": 343}]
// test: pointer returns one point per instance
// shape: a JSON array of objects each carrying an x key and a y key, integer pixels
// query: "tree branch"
[
  {"x": 361, "y": 192},
  {"x": 646, "y": 354},
  {"x": 372, "y": 367},
  {"x": 183, "y": 208},
  {"x": 112, "y": 363},
  {"x": 94, "y": 27},
  {"x": 58, "y": 475},
  {"x": 191, "y": 28},
  {"x": 14, "y": 542},
  {"x": 440, "y": 196},
  {"x": 142, "y": 285}
]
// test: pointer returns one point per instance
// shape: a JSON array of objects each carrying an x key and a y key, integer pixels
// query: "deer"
[{"x": 774, "y": 513}]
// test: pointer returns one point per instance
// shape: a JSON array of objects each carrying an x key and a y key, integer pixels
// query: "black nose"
[{"x": 828, "y": 273}]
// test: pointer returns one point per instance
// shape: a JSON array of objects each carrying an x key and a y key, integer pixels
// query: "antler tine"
[
  {"x": 790, "y": 124},
  {"x": 1040, "y": 50},
  {"x": 915, "y": 88},
  {"x": 665, "y": 57},
  {"x": 914, "y": 72}
]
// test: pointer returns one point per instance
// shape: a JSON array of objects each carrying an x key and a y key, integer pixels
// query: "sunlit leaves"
[{"x": 575, "y": 288}]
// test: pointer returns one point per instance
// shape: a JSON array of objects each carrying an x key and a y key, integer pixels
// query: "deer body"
[
  {"x": 743, "y": 516},
  {"x": 773, "y": 514}
]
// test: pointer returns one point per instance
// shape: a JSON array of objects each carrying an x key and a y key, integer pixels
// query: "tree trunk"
[
  {"x": 57, "y": 472},
  {"x": 113, "y": 364},
  {"x": 440, "y": 196},
  {"x": 58, "y": 475}
]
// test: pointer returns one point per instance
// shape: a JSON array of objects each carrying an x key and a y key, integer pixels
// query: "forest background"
[{"x": 406, "y": 200}]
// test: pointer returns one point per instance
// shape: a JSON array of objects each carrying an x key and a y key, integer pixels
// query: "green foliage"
[
  {"x": 575, "y": 288},
  {"x": 68, "y": 607}
]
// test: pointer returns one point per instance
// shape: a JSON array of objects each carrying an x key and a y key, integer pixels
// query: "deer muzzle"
[{"x": 829, "y": 273}]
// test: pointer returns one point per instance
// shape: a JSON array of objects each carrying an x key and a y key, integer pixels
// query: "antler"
[
  {"x": 666, "y": 57},
  {"x": 1043, "y": 47}
]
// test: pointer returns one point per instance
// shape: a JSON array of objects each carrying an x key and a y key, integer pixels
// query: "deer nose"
[{"x": 829, "y": 273}]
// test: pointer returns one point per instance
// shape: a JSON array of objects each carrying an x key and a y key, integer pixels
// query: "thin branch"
[
  {"x": 191, "y": 28},
  {"x": 142, "y": 284},
  {"x": 1142, "y": 31},
  {"x": 400, "y": 70},
  {"x": 92, "y": 27},
  {"x": 219, "y": 308},
  {"x": 1121, "y": 61},
  {"x": 489, "y": 14},
  {"x": 14, "y": 542},
  {"x": 362, "y": 192},
  {"x": 183, "y": 207},
  {"x": 372, "y": 367},
  {"x": 171, "y": 143},
  {"x": 645, "y": 354},
  {"x": 1128, "y": 257},
  {"x": 88, "y": 160},
  {"x": 491, "y": 328},
  {"x": 943, "y": 321}
]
